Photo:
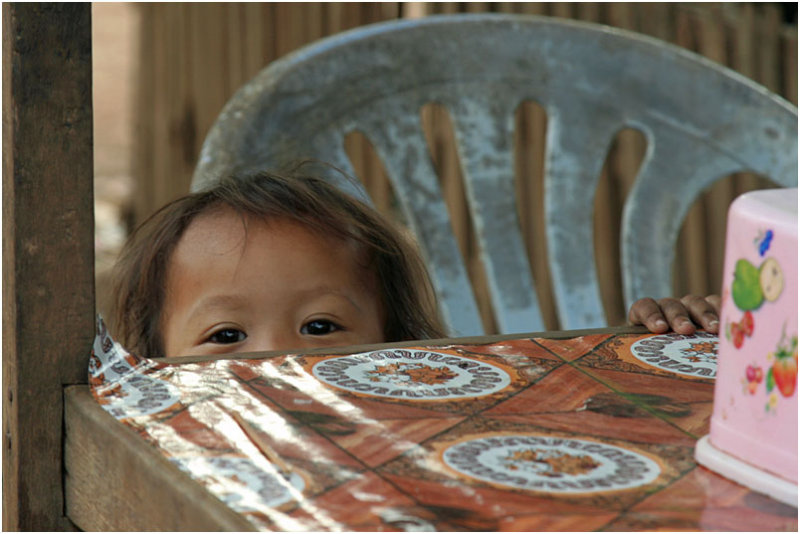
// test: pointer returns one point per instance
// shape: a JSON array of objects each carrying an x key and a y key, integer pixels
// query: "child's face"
[{"x": 274, "y": 286}]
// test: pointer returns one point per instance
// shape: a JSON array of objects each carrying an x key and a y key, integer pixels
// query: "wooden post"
[{"x": 48, "y": 254}]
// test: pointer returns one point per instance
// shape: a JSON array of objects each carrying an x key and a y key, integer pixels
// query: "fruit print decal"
[
  {"x": 783, "y": 373},
  {"x": 737, "y": 332},
  {"x": 754, "y": 375},
  {"x": 752, "y": 285},
  {"x": 780, "y": 377}
]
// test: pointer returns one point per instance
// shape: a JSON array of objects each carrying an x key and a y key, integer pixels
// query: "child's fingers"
[
  {"x": 677, "y": 315},
  {"x": 703, "y": 311},
  {"x": 647, "y": 312},
  {"x": 715, "y": 302}
]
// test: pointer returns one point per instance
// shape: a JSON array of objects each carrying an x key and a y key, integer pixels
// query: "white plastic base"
[{"x": 743, "y": 473}]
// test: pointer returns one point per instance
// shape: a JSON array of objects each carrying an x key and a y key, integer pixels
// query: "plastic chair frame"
[{"x": 701, "y": 122}]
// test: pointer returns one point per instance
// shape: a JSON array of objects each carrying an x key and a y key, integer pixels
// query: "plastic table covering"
[{"x": 592, "y": 432}]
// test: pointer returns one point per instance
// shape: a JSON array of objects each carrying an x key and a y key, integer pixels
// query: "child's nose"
[{"x": 276, "y": 340}]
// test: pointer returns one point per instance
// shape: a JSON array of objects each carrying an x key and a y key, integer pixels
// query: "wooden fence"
[{"x": 194, "y": 56}]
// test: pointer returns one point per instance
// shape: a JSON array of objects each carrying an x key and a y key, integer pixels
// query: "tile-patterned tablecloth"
[{"x": 595, "y": 432}]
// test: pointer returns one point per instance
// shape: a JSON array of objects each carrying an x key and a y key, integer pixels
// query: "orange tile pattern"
[{"x": 522, "y": 435}]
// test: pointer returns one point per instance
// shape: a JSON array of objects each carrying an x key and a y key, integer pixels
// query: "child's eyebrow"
[
  {"x": 216, "y": 302},
  {"x": 324, "y": 289}
]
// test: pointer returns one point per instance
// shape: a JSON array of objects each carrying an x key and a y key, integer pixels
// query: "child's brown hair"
[{"x": 140, "y": 274}]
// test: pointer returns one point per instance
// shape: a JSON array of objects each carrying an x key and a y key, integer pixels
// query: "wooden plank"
[
  {"x": 768, "y": 46},
  {"x": 789, "y": 45},
  {"x": 656, "y": 20},
  {"x": 210, "y": 74},
  {"x": 234, "y": 41},
  {"x": 143, "y": 166},
  {"x": 150, "y": 191},
  {"x": 48, "y": 254},
  {"x": 742, "y": 59},
  {"x": 115, "y": 480},
  {"x": 712, "y": 44},
  {"x": 562, "y": 9},
  {"x": 256, "y": 52},
  {"x": 689, "y": 277},
  {"x": 184, "y": 140}
]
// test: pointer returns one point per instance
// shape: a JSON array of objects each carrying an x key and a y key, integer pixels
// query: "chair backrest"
[{"x": 701, "y": 123}]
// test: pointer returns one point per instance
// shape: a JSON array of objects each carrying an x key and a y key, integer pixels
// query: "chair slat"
[
  {"x": 577, "y": 144},
  {"x": 401, "y": 145},
  {"x": 484, "y": 135}
]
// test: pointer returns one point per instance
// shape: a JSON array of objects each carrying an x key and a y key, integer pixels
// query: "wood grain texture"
[
  {"x": 116, "y": 481},
  {"x": 48, "y": 254}
]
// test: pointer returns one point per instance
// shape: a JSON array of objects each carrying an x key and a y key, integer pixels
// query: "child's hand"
[{"x": 683, "y": 316}]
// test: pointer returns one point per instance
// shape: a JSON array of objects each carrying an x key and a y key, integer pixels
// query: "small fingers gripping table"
[{"x": 591, "y": 430}]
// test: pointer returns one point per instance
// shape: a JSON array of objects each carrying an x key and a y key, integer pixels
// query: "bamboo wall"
[{"x": 194, "y": 56}]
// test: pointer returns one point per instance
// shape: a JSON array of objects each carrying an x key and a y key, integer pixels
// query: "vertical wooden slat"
[
  {"x": 656, "y": 20},
  {"x": 252, "y": 38},
  {"x": 144, "y": 149},
  {"x": 289, "y": 27},
  {"x": 48, "y": 256},
  {"x": 562, "y": 9},
  {"x": 742, "y": 59},
  {"x": 182, "y": 113},
  {"x": 712, "y": 44},
  {"x": 235, "y": 41},
  {"x": 768, "y": 46},
  {"x": 153, "y": 105},
  {"x": 789, "y": 64},
  {"x": 314, "y": 26},
  {"x": 689, "y": 275}
]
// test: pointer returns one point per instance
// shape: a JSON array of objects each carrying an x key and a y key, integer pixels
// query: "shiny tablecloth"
[{"x": 585, "y": 433}]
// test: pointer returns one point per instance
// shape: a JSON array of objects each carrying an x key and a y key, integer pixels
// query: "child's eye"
[
  {"x": 227, "y": 336},
  {"x": 319, "y": 327}
]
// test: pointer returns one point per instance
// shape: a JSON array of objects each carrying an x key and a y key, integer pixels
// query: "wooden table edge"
[{"x": 114, "y": 480}]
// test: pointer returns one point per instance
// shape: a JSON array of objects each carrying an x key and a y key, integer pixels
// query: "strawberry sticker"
[
  {"x": 736, "y": 332},
  {"x": 784, "y": 370},
  {"x": 748, "y": 323}
]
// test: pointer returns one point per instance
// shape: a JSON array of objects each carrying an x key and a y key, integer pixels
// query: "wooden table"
[{"x": 590, "y": 430}]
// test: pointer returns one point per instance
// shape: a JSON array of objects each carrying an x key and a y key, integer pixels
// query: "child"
[{"x": 269, "y": 262}]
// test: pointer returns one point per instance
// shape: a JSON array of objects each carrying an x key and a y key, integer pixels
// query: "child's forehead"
[{"x": 224, "y": 227}]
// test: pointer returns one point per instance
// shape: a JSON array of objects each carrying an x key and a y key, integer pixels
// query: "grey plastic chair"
[{"x": 701, "y": 122}]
